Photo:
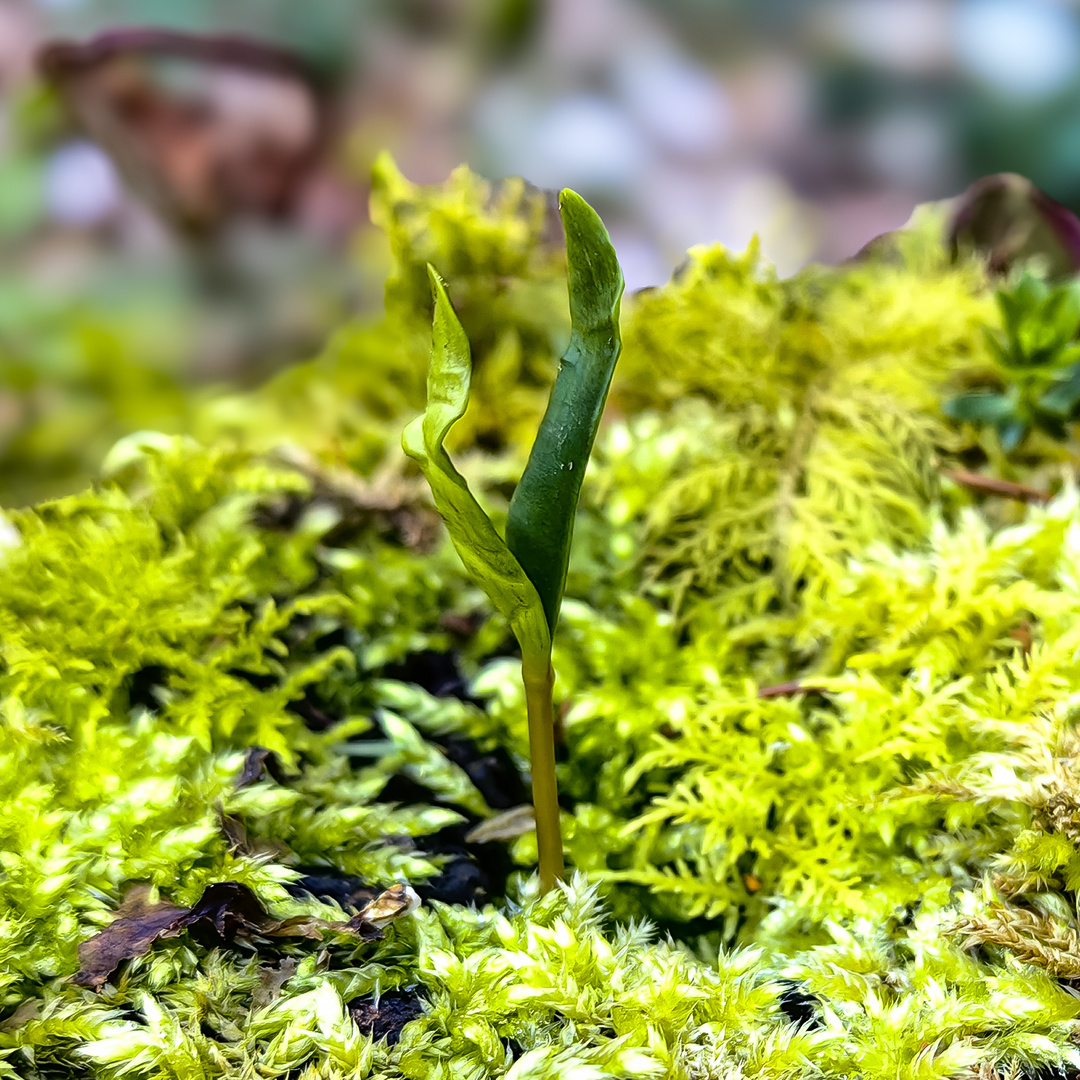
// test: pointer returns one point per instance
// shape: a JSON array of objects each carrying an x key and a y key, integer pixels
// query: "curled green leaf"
[
  {"x": 540, "y": 524},
  {"x": 482, "y": 550}
]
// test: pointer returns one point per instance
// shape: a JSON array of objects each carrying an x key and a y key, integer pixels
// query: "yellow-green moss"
[{"x": 766, "y": 506}]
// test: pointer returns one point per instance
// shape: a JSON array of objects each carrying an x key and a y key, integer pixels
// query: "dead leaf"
[
  {"x": 138, "y": 925},
  {"x": 254, "y": 762},
  {"x": 271, "y": 980},
  {"x": 239, "y": 841},
  {"x": 1005, "y": 219},
  {"x": 233, "y": 911},
  {"x": 231, "y": 908},
  {"x": 392, "y": 904},
  {"x": 27, "y": 1011},
  {"x": 241, "y": 138}
]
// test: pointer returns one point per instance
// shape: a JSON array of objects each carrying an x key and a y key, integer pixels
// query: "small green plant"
[
  {"x": 524, "y": 575},
  {"x": 1037, "y": 364}
]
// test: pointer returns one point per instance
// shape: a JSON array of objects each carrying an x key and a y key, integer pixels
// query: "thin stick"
[
  {"x": 789, "y": 689},
  {"x": 989, "y": 485},
  {"x": 539, "y": 679}
]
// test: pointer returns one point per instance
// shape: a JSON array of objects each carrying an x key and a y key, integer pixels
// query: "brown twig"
[
  {"x": 990, "y": 485},
  {"x": 789, "y": 689}
]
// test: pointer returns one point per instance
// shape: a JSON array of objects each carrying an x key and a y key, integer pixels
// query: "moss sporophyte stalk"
[
  {"x": 817, "y": 653},
  {"x": 525, "y": 575}
]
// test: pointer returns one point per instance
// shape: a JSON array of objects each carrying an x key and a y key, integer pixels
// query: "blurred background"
[{"x": 176, "y": 216}]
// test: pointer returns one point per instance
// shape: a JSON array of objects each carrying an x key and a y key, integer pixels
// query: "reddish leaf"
[{"x": 1007, "y": 219}]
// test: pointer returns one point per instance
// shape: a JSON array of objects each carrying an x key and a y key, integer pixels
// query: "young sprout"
[{"x": 525, "y": 574}]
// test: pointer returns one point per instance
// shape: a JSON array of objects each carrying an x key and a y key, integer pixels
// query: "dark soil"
[
  {"x": 316, "y": 716},
  {"x": 324, "y": 883},
  {"x": 464, "y": 879},
  {"x": 143, "y": 684},
  {"x": 385, "y": 1020},
  {"x": 493, "y": 772},
  {"x": 474, "y": 874},
  {"x": 436, "y": 672},
  {"x": 800, "y": 1007}
]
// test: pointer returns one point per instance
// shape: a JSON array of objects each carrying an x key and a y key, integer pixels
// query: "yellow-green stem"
[{"x": 539, "y": 681}]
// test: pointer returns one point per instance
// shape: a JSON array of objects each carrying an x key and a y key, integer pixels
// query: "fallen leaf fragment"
[
  {"x": 271, "y": 980},
  {"x": 788, "y": 689},
  {"x": 392, "y": 904},
  {"x": 254, "y": 762},
  {"x": 236, "y": 834},
  {"x": 991, "y": 485},
  {"x": 233, "y": 911},
  {"x": 138, "y": 925}
]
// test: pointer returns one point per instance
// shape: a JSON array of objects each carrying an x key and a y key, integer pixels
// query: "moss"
[
  {"x": 886, "y": 839},
  {"x": 807, "y": 414}
]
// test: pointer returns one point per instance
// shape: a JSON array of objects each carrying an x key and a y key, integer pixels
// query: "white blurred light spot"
[
  {"x": 761, "y": 204},
  {"x": 1028, "y": 48},
  {"x": 678, "y": 103},
  {"x": 10, "y": 537},
  {"x": 909, "y": 148},
  {"x": 81, "y": 185},
  {"x": 584, "y": 141},
  {"x": 905, "y": 35},
  {"x": 731, "y": 209},
  {"x": 641, "y": 261}
]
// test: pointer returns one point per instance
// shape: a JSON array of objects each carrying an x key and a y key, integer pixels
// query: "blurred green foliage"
[{"x": 74, "y": 377}]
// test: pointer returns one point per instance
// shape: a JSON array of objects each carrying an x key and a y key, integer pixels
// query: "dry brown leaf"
[{"x": 233, "y": 910}]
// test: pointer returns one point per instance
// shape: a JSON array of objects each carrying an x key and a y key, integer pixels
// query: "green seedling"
[
  {"x": 525, "y": 574},
  {"x": 1036, "y": 364}
]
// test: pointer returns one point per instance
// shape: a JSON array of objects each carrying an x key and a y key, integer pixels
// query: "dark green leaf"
[
  {"x": 1063, "y": 396},
  {"x": 1064, "y": 312},
  {"x": 1011, "y": 435},
  {"x": 981, "y": 408},
  {"x": 540, "y": 523}
]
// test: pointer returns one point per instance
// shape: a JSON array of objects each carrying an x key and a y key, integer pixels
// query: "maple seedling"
[{"x": 524, "y": 574}]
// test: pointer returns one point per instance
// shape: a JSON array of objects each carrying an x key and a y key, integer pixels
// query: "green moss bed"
[{"x": 818, "y": 749}]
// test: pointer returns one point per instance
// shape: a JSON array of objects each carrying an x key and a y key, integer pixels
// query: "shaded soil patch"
[
  {"x": 324, "y": 883},
  {"x": 436, "y": 672},
  {"x": 799, "y": 1006},
  {"x": 386, "y": 1019}
]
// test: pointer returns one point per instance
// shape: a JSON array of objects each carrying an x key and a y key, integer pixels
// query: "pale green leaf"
[{"x": 482, "y": 549}]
